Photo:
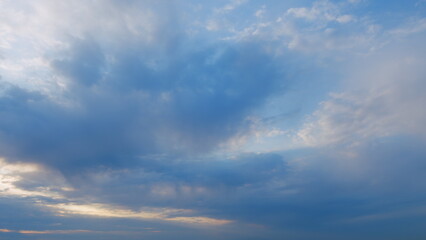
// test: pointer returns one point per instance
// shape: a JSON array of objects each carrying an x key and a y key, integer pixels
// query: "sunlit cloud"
[
  {"x": 13, "y": 173},
  {"x": 45, "y": 232},
  {"x": 199, "y": 220},
  {"x": 9, "y": 179},
  {"x": 71, "y": 232},
  {"x": 53, "y": 231},
  {"x": 108, "y": 211}
]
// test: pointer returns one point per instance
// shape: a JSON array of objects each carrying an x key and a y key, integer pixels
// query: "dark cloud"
[
  {"x": 136, "y": 104},
  {"x": 83, "y": 63},
  {"x": 187, "y": 183},
  {"x": 318, "y": 194}
]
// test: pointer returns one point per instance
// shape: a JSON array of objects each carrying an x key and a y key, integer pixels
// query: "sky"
[{"x": 225, "y": 119}]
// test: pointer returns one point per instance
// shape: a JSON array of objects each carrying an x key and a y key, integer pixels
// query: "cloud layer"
[{"x": 222, "y": 120}]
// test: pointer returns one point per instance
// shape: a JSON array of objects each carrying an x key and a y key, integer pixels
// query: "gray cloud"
[{"x": 125, "y": 108}]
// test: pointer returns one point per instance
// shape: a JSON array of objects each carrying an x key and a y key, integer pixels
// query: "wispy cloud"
[
  {"x": 233, "y": 4},
  {"x": 71, "y": 232},
  {"x": 385, "y": 103},
  {"x": 108, "y": 211}
]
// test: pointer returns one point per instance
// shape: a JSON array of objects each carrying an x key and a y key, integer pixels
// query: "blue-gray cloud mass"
[{"x": 122, "y": 109}]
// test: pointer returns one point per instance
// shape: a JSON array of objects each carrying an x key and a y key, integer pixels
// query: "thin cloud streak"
[{"x": 68, "y": 232}]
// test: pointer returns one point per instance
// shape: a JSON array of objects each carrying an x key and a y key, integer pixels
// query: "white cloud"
[
  {"x": 355, "y": 1},
  {"x": 233, "y": 4},
  {"x": 322, "y": 28},
  {"x": 344, "y": 18},
  {"x": 412, "y": 27},
  {"x": 259, "y": 13},
  {"x": 321, "y": 11},
  {"x": 110, "y": 211},
  {"x": 384, "y": 100},
  {"x": 35, "y": 32},
  {"x": 48, "y": 183}
]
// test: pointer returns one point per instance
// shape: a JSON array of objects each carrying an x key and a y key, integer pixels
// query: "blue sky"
[{"x": 228, "y": 119}]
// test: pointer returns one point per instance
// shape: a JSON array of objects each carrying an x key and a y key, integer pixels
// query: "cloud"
[
  {"x": 384, "y": 101},
  {"x": 84, "y": 63},
  {"x": 321, "y": 10},
  {"x": 51, "y": 192},
  {"x": 367, "y": 146},
  {"x": 122, "y": 98},
  {"x": 177, "y": 192},
  {"x": 130, "y": 88},
  {"x": 117, "y": 115},
  {"x": 233, "y": 4},
  {"x": 31, "y": 181},
  {"x": 412, "y": 27},
  {"x": 169, "y": 193},
  {"x": 45, "y": 232},
  {"x": 326, "y": 29},
  {"x": 105, "y": 211}
]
